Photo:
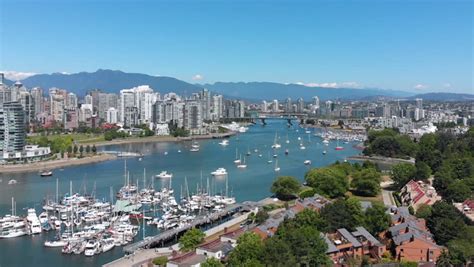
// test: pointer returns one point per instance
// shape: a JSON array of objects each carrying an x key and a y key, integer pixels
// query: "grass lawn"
[
  {"x": 79, "y": 138},
  {"x": 377, "y": 198}
]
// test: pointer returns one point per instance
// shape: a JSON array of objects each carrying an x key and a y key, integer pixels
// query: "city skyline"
[{"x": 397, "y": 47}]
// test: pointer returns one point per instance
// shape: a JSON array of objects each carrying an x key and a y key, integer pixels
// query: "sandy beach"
[{"x": 54, "y": 164}]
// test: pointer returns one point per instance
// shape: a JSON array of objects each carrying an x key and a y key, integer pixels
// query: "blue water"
[{"x": 252, "y": 183}]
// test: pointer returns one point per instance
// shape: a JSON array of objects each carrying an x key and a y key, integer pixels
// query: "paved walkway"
[{"x": 387, "y": 194}]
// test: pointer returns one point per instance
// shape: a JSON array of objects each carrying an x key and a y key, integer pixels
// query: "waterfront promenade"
[{"x": 54, "y": 164}]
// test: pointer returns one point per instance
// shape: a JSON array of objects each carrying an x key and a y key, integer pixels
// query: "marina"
[{"x": 195, "y": 191}]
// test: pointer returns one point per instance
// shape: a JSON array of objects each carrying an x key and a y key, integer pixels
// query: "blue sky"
[{"x": 405, "y": 45}]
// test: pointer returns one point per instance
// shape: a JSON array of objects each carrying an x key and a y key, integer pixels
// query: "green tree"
[
  {"x": 94, "y": 149},
  {"x": 340, "y": 214},
  {"x": 306, "y": 244},
  {"x": 261, "y": 216},
  {"x": 191, "y": 239},
  {"x": 376, "y": 219},
  {"x": 212, "y": 262},
  {"x": 402, "y": 173},
  {"x": 330, "y": 181},
  {"x": 423, "y": 171},
  {"x": 366, "y": 182},
  {"x": 75, "y": 149},
  {"x": 88, "y": 149},
  {"x": 277, "y": 252},
  {"x": 461, "y": 250},
  {"x": 457, "y": 191},
  {"x": 285, "y": 187},
  {"x": 69, "y": 149},
  {"x": 445, "y": 222},
  {"x": 81, "y": 149},
  {"x": 160, "y": 261},
  {"x": 248, "y": 250},
  {"x": 424, "y": 211}
]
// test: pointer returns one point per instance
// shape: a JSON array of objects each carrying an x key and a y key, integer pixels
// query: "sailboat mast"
[{"x": 57, "y": 191}]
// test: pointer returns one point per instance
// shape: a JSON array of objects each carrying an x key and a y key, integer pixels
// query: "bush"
[{"x": 160, "y": 261}]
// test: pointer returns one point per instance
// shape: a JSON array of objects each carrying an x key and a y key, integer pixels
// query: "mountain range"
[{"x": 113, "y": 81}]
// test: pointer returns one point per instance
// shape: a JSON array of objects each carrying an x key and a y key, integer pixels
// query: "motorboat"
[
  {"x": 287, "y": 152},
  {"x": 164, "y": 175},
  {"x": 12, "y": 182},
  {"x": 33, "y": 222},
  {"x": 324, "y": 152},
  {"x": 339, "y": 148},
  {"x": 92, "y": 248},
  {"x": 55, "y": 243},
  {"x": 194, "y": 149},
  {"x": 224, "y": 142},
  {"x": 107, "y": 244},
  {"x": 277, "y": 168},
  {"x": 46, "y": 173},
  {"x": 307, "y": 162},
  {"x": 219, "y": 172}
]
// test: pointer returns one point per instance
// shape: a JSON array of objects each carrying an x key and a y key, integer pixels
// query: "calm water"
[{"x": 252, "y": 183}]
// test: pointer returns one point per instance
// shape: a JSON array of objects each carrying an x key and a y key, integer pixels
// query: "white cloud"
[
  {"x": 420, "y": 86},
  {"x": 331, "y": 84},
  {"x": 197, "y": 77},
  {"x": 16, "y": 75}
]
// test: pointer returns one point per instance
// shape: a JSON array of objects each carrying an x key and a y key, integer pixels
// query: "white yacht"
[
  {"x": 242, "y": 165},
  {"x": 307, "y": 162},
  {"x": 219, "y": 172},
  {"x": 107, "y": 244},
  {"x": 33, "y": 222},
  {"x": 224, "y": 142},
  {"x": 164, "y": 175},
  {"x": 275, "y": 142},
  {"x": 92, "y": 248}
]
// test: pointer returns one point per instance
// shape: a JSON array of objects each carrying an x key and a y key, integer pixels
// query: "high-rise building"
[
  {"x": 56, "y": 106},
  {"x": 106, "y": 101},
  {"x": 192, "y": 115},
  {"x": 88, "y": 100},
  {"x": 288, "y": 105},
  {"x": 205, "y": 99},
  {"x": 127, "y": 100},
  {"x": 300, "y": 106},
  {"x": 275, "y": 107},
  {"x": 5, "y": 92},
  {"x": 112, "y": 115},
  {"x": 264, "y": 106},
  {"x": 71, "y": 101},
  {"x": 217, "y": 107},
  {"x": 27, "y": 103},
  {"x": 12, "y": 127},
  {"x": 316, "y": 102},
  {"x": 38, "y": 100}
]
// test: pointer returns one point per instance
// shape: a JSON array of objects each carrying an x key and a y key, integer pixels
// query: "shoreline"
[
  {"x": 60, "y": 163},
  {"x": 167, "y": 138},
  {"x": 55, "y": 164}
]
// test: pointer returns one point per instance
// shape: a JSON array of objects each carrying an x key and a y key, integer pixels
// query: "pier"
[{"x": 173, "y": 233}]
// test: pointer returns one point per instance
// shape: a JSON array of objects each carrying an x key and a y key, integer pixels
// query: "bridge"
[{"x": 168, "y": 235}]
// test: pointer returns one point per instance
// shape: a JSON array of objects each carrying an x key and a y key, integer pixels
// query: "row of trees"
[
  {"x": 389, "y": 143},
  {"x": 335, "y": 180},
  {"x": 451, "y": 160}
]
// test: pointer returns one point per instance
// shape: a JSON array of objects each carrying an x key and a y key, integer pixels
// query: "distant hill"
[
  {"x": 270, "y": 90},
  {"x": 108, "y": 81},
  {"x": 445, "y": 97}
]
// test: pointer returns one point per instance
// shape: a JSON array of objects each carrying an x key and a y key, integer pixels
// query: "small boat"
[
  {"x": 166, "y": 153},
  {"x": 55, "y": 243},
  {"x": 46, "y": 173},
  {"x": 224, "y": 142},
  {"x": 324, "y": 152},
  {"x": 179, "y": 151},
  {"x": 219, "y": 172},
  {"x": 164, "y": 175},
  {"x": 275, "y": 142},
  {"x": 12, "y": 181},
  {"x": 242, "y": 165},
  {"x": 338, "y": 147},
  {"x": 307, "y": 162},
  {"x": 237, "y": 160},
  {"x": 325, "y": 141},
  {"x": 107, "y": 244},
  {"x": 286, "y": 152},
  {"x": 194, "y": 149},
  {"x": 277, "y": 169},
  {"x": 92, "y": 248}
]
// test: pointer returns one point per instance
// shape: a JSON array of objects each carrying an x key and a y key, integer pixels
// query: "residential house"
[
  {"x": 417, "y": 193},
  {"x": 410, "y": 237}
]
